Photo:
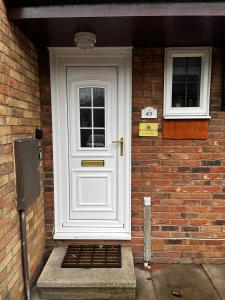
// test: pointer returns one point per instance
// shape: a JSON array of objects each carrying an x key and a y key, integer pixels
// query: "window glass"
[
  {"x": 85, "y": 97},
  {"x": 92, "y": 117},
  {"x": 85, "y": 117},
  {"x": 86, "y": 137},
  {"x": 98, "y": 97},
  {"x": 99, "y": 118},
  {"x": 186, "y": 81},
  {"x": 99, "y": 138}
]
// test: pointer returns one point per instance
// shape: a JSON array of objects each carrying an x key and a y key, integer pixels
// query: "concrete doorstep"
[
  {"x": 144, "y": 289},
  {"x": 80, "y": 283}
]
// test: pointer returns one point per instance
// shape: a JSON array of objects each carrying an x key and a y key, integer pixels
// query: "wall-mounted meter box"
[{"x": 27, "y": 171}]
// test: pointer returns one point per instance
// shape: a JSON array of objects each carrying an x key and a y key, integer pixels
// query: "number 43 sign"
[{"x": 149, "y": 113}]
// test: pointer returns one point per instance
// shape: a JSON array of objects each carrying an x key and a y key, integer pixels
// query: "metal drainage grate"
[{"x": 92, "y": 256}]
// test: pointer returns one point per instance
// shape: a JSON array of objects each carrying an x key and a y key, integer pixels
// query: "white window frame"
[{"x": 201, "y": 112}]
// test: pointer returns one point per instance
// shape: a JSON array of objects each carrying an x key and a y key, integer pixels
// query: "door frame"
[{"x": 60, "y": 59}]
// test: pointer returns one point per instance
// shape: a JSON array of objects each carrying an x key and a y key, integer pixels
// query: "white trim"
[
  {"x": 201, "y": 112},
  {"x": 183, "y": 116},
  {"x": 59, "y": 59},
  {"x": 97, "y": 51},
  {"x": 92, "y": 236}
]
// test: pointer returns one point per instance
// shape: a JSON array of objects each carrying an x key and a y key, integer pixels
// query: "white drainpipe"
[{"x": 147, "y": 231}]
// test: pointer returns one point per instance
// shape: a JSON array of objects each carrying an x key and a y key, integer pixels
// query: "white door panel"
[
  {"x": 92, "y": 115},
  {"x": 93, "y": 192}
]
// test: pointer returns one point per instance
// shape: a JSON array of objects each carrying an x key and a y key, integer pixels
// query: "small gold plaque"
[
  {"x": 148, "y": 129},
  {"x": 92, "y": 163}
]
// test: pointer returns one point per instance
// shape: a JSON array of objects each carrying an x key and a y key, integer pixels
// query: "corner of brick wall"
[{"x": 19, "y": 116}]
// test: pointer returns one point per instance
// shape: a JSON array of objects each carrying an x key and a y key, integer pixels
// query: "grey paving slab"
[
  {"x": 56, "y": 277},
  {"x": 145, "y": 289},
  {"x": 216, "y": 274},
  {"x": 190, "y": 279}
]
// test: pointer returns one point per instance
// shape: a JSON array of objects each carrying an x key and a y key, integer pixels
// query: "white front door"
[
  {"x": 93, "y": 126},
  {"x": 93, "y": 136}
]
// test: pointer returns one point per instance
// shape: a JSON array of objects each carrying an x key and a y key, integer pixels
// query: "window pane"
[
  {"x": 85, "y": 96},
  {"x": 86, "y": 137},
  {"x": 99, "y": 138},
  {"x": 178, "y": 96},
  {"x": 98, "y": 97},
  {"x": 92, "y": 116},
  {"x": 186, "y": 81},
  {"x": 194, "y": 69},
  {"x": 85, "y": 118},
  {"x": 179, "y": 69},
  {"x": 99, "y": 118},
  {"x": 192, "y": 94}
]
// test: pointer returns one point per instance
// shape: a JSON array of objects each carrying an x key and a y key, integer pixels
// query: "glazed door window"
[{"x": 92, "y": 117}]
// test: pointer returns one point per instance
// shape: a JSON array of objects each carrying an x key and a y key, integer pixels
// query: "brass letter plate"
[{"x": 92, "y": 163}]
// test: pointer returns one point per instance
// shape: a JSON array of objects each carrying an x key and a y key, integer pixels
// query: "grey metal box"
[{"x": 27, "y": 171}]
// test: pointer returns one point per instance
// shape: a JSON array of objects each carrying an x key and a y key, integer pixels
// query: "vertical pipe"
[
  {"x": 147, "y": 229},
  {"x": 24, "y": 254}
]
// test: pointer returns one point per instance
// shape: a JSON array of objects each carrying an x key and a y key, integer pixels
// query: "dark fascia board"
[
  {"x": 29, "y": 3},
  {"x": 203, "y": 9}
]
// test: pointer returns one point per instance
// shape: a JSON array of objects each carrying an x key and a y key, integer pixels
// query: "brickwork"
[
  {"x": 184, "y": 177},
  {"x": 19, "y": 116}
]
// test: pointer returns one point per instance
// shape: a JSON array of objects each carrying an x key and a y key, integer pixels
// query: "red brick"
[
  {"x": 15, "y": 57},
  {"x": 6, "y": 168}
]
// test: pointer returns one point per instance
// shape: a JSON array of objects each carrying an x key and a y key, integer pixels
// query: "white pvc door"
[
  {"x": 92, "y": 114},
  {"x": 93, "y": 165}
]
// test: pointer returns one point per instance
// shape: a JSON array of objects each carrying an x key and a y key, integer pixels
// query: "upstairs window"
[{"x": 187, "y": 83}]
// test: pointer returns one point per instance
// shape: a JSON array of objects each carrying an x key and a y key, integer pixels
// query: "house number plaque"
[
  {"x": 148, "y": 129},
  {"x": 149, "y": 113}
]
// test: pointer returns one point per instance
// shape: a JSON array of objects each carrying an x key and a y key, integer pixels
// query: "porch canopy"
[{"x": 121, "y": 23}]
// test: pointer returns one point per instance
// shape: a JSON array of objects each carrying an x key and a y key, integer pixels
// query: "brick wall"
[
  {"x": 19, "y": 116},
  {"x": 184, "y": 177}
]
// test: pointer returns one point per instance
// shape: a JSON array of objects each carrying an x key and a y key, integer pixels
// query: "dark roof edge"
[{"x": 30, "y": 3}]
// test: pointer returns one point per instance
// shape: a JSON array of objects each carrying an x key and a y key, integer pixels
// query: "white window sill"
[{"x": 183, "y": 117}]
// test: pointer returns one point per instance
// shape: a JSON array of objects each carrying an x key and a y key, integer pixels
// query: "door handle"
[{"x": 121, "y": 142}]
